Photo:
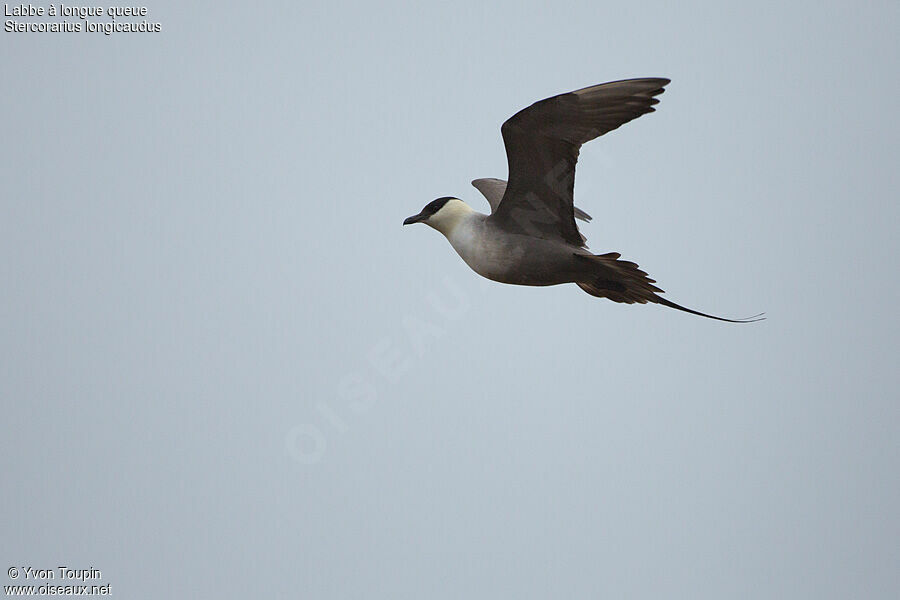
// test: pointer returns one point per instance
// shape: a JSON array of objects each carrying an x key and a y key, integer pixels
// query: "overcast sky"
[{"x": 227, "y": 370}]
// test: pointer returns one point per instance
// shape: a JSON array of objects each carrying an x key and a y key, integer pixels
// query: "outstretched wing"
[
  {"x": 542, "y": 145},
  {"x": 493, "y": 189}
]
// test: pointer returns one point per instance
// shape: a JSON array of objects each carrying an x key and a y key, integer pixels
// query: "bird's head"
[{"x": 442, "y": 214}]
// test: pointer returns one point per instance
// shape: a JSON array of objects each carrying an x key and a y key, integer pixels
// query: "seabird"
[{"x": 530, "y": 237}]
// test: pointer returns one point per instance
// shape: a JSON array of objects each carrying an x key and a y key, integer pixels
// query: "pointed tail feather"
[
  {"x": 670, "y": 304},
  {"x": 622, "y": 281}
]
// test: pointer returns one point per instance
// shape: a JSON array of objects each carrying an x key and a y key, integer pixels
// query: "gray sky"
[{"x": 226, "y": 369}]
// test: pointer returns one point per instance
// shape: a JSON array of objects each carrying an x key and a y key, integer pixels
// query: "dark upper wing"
[
  {"x": 493, "y": 189},
  {"x": 542, "y": 143}
]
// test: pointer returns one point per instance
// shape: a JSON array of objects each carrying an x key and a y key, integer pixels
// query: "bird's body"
[
  {"x": 530, "y": 237},
  {"x": 506, "y": 257}
]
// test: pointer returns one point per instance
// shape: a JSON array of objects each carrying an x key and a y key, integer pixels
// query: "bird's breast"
[
  {"x": 510, "y": 258},
  {"x": 486, "y": 252}
]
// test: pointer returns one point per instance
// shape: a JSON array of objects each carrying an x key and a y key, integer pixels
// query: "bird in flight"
[{"x": 530, "y": 237}]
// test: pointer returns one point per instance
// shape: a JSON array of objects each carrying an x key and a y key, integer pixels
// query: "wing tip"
[{"x": 651, "y": 85}]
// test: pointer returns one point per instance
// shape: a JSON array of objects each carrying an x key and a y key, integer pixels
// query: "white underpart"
[
  {"x": 460, "y": 225},
  {"x": 488, "y": 255}
]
